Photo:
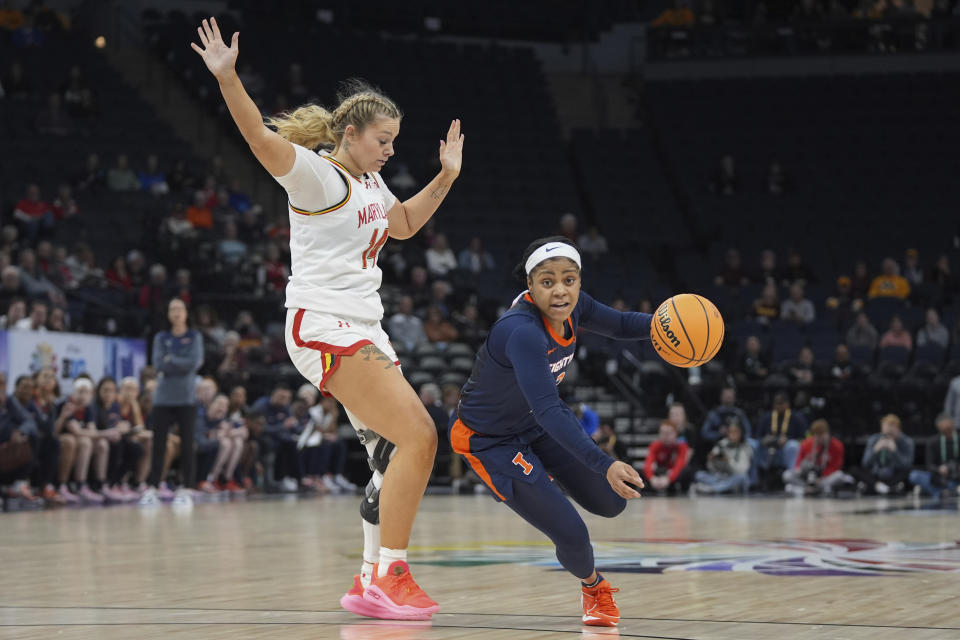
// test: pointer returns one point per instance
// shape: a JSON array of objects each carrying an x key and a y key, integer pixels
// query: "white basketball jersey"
[{"x": 338, "y": 225}]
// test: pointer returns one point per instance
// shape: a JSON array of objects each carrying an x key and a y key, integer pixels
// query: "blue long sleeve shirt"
[
  {"x": 513, "y": 386},
  {"x": 177, "y": 360}
]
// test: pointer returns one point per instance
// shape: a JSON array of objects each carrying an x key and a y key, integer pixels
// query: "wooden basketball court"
[{"x": 704, "y": 569}]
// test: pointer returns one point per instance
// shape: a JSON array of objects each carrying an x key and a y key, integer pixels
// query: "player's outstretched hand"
[
  {"x": 219, "y": 58},
  {"x": 619, "y": 474},
  {"x": 451, "y": 150}
]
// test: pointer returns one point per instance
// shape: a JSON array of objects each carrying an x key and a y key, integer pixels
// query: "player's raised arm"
[
  {"x": 406, "y": 218},
  {"x": 274, "y": 153}
]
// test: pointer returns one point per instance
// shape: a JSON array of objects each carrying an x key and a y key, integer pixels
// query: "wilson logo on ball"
[{"x": 664, "y": 318}]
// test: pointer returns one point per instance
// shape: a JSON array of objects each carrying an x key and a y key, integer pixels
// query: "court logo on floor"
[{"x": 787, "y": 557}]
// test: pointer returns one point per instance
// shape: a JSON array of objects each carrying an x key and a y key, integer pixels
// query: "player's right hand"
[
  {"x": 219, "y": 58},
  {"x": 619, "y": 474}
]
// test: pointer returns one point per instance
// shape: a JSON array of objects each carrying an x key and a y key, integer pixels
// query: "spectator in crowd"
[
  {"x": 232, "y": 249},
  {"x": 753, "y": 363},
  {"x": 732, "y": 273},
  {"x": 57, "y": 320},
  {"x": 776, "y": 179},
  {"x": 942, "y": 471},
  {"x": 942, "y": 279},
  {"x": 181, "y": 179},
  {"x": 33, "y": 214},
  {"x": 73, "y": 87},
  {"x": 842, "y": 368},
  {"x": 819, "y": 465},
  {"x": 208, "y": 323},
  {"x": 470, "y": 328},
  {"x": 842, "y": 302},
  {"x": 802, "y": 371},
  {"x": 796, "y": 269},
  {"x": 152, "y": 179},
  {"x": 114, "y": 455},
  {"x": 797, "y": 308},
  {"x": 54, "y": 120},
  {"x": 933, "y": 331},
  {"x": 77, "y": 419},
  {"x": 911, "y": 268},
  {"x": 418, "y": 289},
  {"x": 606, "y": 438},
  {"x": 951, "y": 403},
  {"x": 137, "y": 267},
  {"x": 91, "y": 177},
  {"x": 152, "y": 296},
  {"x": 592, "y": 243},
  {"x": 54, "y": 468},
  {"x": 728, "y": 464},
  {"x": 862, "y": 334},
  {"x": 568, "y": 227},
  {"x": 474, "y": 259},
  {"x": 766, "y": 308},
  {"x": 780, "y": 432},
  {"x": 121, "y": 177},
  {"x": 224, "y": 439},
  {"x": 232, "y": 369},
  {"x": 666, "y": 465},
  {"x": 440, "y": 258},
  {"x": 275, "y": 270},
  {"x": 279, "y": 442},
  {"x": 177, "y": 355},
  {"x": 896, "y": 335},
  {"x": 437, "y": 328},
  {"x": 588, "y": 418},
  {"x": 769, "y": 272},
  {"x": 17, "y": 435},
  {"x": 726, "y": 182},
  {"x": 686, "y": 431},
  {"x": 406, "y": 328},
  {"x": 199, "y": 214},
  {"x": 118, "y": 276},
  {"x": 44, "y": 412},
  {"x": 439, "y": 291},
  {"x": 37, "y": 320},
  {"x": 36, "y": 283},
  {"x": 11, "y": 286},
  {"x": 64, "y": 206},
  {"x": 715, "y": 426},
  {"x": 16, "y": 312},
  {"x": 887, "y": 459},
  {"x": 128, "y": 398},
  {"x": 890, "y": 284},
  {"x": 221, "y": 209}
]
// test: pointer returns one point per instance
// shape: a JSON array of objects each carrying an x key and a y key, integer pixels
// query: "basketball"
[{"x": 687, "y": 330}]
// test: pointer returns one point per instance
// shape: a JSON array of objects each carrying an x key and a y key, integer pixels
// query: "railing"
[{"x": 804, "y": 38}]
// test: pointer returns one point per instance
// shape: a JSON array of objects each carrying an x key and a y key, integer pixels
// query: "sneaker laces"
[
  {"x": 604, "y": 597},
  {"x": 407, "y": 583}
]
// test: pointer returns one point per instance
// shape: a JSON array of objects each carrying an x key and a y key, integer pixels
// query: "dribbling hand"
[
  {"x": 451, "y": 150},
  {"x": 619, "y": 474},
  {"x": 219, "y": 58}
]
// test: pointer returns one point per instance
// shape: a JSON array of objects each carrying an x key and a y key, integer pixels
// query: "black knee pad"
[
  {"x": 380, "y": 457},
  {"x": 370, "y": 504}
]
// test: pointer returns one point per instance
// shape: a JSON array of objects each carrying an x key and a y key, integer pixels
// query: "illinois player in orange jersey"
[
  {"x": 522, "y": 440},
  {"x": 341, "y": 214}
]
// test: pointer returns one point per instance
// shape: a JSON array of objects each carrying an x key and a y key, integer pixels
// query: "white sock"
[
  {"x": 366, "y": 573},
  {"x": 387, "y": 557}
]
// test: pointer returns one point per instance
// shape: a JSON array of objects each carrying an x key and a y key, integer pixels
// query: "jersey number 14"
[{"x": 377, "y": 241}]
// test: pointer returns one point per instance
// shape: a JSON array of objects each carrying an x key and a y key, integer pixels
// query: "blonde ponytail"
[
  {"x": 309, "y": 126},
  {"x": 312, "y": 126}
]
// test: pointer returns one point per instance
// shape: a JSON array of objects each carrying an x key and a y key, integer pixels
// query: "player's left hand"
[
  {"x": 451, "y": 150},
  {"x": 619, "y": 474}
]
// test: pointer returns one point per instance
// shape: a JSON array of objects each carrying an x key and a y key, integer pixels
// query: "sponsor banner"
[{"x": 70, "y": 354}]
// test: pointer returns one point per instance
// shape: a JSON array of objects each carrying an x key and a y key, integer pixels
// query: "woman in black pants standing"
[{"x": 177, "y": 356}]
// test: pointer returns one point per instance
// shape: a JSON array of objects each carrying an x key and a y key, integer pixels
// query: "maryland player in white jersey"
[{"x": 341, "y": 214}]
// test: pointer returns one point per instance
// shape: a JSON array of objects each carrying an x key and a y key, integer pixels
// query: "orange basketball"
[{"x": 687, "y": 330}]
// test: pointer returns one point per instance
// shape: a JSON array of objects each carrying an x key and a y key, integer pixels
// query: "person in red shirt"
[
  {"x": 666, "y": 464},
  {"x": 33, "y": 214},
  {"x": 819, "y": 465}
]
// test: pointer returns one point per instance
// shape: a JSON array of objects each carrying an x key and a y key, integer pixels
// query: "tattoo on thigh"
[{"x": 370, "y": 352}]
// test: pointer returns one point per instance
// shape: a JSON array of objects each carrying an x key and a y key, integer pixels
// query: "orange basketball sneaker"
[
  {"x": 599, "y": 607},
  {"x": 396, "y": 596}
]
